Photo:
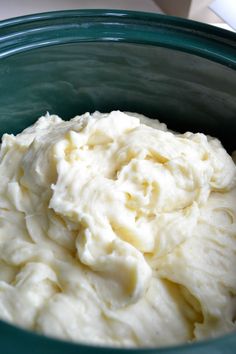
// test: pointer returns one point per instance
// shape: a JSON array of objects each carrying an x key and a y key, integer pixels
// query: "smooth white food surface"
[{"x": 116, "y": 231}]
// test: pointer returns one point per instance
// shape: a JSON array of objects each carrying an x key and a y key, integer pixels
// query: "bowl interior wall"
[{"x": 185, "y": 91}]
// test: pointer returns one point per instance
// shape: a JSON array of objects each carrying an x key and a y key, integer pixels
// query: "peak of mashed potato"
[{"x": 116, "y": 231}]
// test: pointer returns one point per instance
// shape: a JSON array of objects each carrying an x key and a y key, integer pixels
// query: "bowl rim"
[
  {"x": 24, "y": 33},
  {"x": 30, "y": 338},
  {"x": 21, "y": 34}
]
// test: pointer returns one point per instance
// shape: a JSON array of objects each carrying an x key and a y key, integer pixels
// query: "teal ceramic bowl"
[{"x": 69, "y": 62}]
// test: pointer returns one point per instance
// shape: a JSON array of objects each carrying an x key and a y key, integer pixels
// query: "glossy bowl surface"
[{"x": 179, "y": 71}]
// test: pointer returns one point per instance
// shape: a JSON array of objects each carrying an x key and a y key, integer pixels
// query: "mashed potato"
[{"x": 116, "y": 231}]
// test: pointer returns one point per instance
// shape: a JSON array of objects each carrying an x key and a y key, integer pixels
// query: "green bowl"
[{"x": 69, "y": 62}]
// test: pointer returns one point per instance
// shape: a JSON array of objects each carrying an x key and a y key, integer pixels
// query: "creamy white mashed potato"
[{"x": 116, "y": 231}]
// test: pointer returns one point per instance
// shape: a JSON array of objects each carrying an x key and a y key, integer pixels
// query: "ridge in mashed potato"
[{"x": 116, "y": 231}]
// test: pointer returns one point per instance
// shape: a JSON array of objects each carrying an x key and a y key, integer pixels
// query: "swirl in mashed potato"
[{"x": 116, "y": 231}]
